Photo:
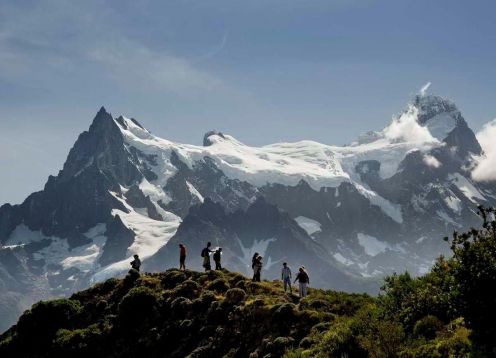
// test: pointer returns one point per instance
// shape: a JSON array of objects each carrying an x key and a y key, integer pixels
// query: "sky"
[{"x": 263, "y": 71}]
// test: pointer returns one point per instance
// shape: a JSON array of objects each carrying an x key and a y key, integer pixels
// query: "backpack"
[
  {"x": 217, "y": 256},
  {"x": 203, "y": 253}
]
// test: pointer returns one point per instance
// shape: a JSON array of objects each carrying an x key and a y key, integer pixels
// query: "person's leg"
[
  {"x": 305, "y": 289},
  {"x": 285, "y": 285},
  {"x": 289, "y": 284},
  {"x": 301, "y": 289}
]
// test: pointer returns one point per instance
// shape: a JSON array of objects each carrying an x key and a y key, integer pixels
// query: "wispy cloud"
[
  {"x": 141, "y": 68},
  {"x": 425, "y": 88},
  {"x": 73, "y": 40}
]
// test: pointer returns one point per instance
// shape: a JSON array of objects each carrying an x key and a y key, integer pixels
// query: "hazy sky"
[{"x": 262, "y": 71}]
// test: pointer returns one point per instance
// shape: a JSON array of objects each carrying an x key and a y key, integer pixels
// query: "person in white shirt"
[{"x": 286, "y": 277}]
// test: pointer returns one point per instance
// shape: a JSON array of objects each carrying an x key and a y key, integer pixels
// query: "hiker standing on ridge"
[
  {"x": 136, "y": 263},
  {"x": 253, "y": 261},
  {"x": 217, "y": 256},
  {"x": 303, "y": 280},
  {"x": 182, "y": 257},
  {"x": 206, "y": 257},
  {"x": 286, "y": 277},
  {"x": 257, "y": 269}
]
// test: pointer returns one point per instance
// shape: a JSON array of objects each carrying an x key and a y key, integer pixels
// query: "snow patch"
[
  {"x": 390, "y": 209},
  {"x": 309, "y": 225},
  {"x": 194, "y": 191},
  {"x": 151, "y": 235},
  {"x": 23, "y": 235},
  {"x": 340, "y": 258},
  {"x": 466, "y": 187},
  {"x": 372, "y": 245},
  {"x": 441, "y": 125},
  {"x": 257, "y": 246}
]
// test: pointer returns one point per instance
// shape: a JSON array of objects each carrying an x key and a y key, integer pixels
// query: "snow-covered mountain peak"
[
  {"x": 133, "y": 127},
  {"x": 211, "y": 137}
]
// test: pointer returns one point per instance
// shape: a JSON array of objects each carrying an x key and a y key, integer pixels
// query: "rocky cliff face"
[{"x": 349, "y": 214}]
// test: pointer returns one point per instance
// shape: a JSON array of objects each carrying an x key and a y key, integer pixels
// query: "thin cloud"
[{"x": 139, "y": 67}]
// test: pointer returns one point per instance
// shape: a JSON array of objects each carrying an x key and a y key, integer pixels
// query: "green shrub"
[
  {"x": 40, "y": 323},
  {"x": 235, "y": 296},
  {"x": 189, "y": 289},
  {"x": 79, "y": 340},
  {"x": 219, "y": 285},
  {"x": 172, "y": 278},
  {"x": 138, "y": 306},
  {"x": 427, "y": 327}
]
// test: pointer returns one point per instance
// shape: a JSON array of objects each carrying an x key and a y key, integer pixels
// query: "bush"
[
  {"x": 79, "y": 340},
  {"x": 188, "y": 288},
  {"x": 41, "y": 322},
  {"x": 280, "y": 345},
  {"x": 138, "y": 306},
  {"x": 172, "y": 278},
  {"x": 181, "y": 306},
  {"x": 219, "y": 285},
  {"x": 235, "y": 296},
  {"x": 131, "y": 277},
  {"x": 284, "y": 313},
  {"x": 427, "y": 327}
]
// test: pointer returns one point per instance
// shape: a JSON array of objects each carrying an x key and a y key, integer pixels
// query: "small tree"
[{"x": 474, "y": 272}]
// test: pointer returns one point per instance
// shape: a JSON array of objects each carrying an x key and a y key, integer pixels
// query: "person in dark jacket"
[
  {"x": 257, "y": 269},
  {"x": 253, "y": 261},
  {"x": 217, "y": 256},
  {"x": 303, "y": 280},
  {"x": 136, "y": 263},
  {"x": 182, "y": 257},
  {"x": 206, "y": 257}
]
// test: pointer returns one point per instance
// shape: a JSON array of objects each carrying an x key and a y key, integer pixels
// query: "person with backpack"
[
  {"x": 206, "y": 257},
  {"x": 182, "y": 257},
  {"x": 257, "y": 269},
  {"x": 303, "y": 280},
  {"x": 253, "y": 261},
  {"x": 217, "y": 256},
  {"x": 136, "y": 263},
  {"x": 286, "y": 277}
]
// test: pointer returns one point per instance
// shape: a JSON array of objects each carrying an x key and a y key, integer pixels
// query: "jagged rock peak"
[
  {"x": 102, "y": 119},
  {"x": 430, "y": 106}
]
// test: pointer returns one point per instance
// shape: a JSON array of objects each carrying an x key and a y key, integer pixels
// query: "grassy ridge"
[{"x": 177, "y": 314}]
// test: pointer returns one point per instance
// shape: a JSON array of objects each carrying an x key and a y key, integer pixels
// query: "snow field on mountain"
[
  {"x": 151, "y": 235},
  {"x": 58, "y": 251},
  {"x": 284, "y": 163}
]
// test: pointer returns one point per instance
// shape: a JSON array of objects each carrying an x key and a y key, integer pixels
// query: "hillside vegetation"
[{"x": 447, "y": 313}]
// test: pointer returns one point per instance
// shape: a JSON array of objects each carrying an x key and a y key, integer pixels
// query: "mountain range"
[{"x": 350, "y": 214}]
